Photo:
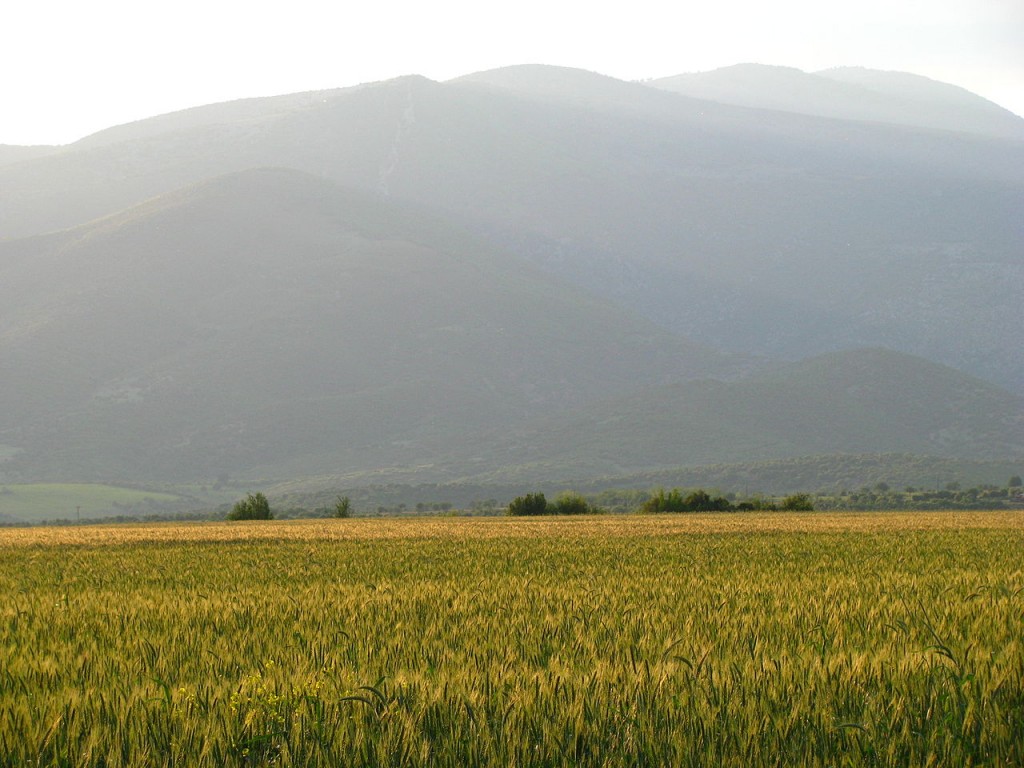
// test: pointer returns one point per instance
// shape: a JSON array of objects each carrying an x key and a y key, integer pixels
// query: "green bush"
[
  {"x": 253, "y": 507},
  {"x": 798, "y": 502},
  {"x": 572, "y": 503},
  {"x": 530, "y": 504},
  {"x": 674, "y": 501},
  {"x": 343, "y": 507},
  {"x": 757, "y": 504}
]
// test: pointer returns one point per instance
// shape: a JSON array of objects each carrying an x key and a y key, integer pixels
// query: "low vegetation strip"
[{"x": 736, "y": 640}]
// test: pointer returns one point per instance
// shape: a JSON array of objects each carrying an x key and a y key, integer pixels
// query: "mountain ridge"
[
  {"x": 378, "y": 276},
  {"x": 855, "y": 93}
]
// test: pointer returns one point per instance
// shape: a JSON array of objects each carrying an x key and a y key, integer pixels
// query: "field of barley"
[{"x": 808, "y": 639}]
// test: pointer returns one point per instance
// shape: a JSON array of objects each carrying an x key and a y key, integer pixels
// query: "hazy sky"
[{"x": 70, "y": 67}]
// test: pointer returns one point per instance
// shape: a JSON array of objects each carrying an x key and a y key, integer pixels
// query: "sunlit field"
[{"x": 738, "y": 640}]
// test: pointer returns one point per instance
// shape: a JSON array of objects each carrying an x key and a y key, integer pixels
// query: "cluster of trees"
[
  {"x": 253, "y": 507},
  {"x": 568, "y": 503},
  {"x": 702, "y": 501},
  {"x": 571, "y": 503},
  {"x": 256, "y": 507}
]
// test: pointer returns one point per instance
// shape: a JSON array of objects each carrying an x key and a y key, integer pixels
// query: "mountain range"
[{"x": 529, "y": 270}]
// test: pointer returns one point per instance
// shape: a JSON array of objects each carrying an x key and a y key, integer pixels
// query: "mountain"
[
  {"x": 851, "y": 93},
  {"x": 852, "y": 402},
  {"x": 754, "y": 231},
  {"x": 272, "y": 322},
  {"x": 419, "y": 274}
]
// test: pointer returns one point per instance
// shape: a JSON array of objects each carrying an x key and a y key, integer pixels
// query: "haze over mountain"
[
  {"x": 14, "y": 154},
  {"x": 851, "y": 93},
  {"x": 431, "y": 263}
]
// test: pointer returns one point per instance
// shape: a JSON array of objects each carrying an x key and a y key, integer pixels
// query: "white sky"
[{"x": 72, "y": 67}]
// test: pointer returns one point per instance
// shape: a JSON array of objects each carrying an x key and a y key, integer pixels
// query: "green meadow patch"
[{"x": 35, "y": 502}]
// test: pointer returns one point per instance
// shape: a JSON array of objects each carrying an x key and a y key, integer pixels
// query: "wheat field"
[{"x": 690, "y": 640}]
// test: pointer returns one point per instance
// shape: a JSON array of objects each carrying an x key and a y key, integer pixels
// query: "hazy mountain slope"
[
  {"x": 272, "y": 322},
  {"x": 760, "y": 231},
  {"x": 10, "y": 153},
  {"x": 938, "y": 104},
  {"x": 416, "y": 138},
  {"x": 756, "y": 231},
  {"x": 859, "y": 401},
  {"x": 851, "y": 93},
  {"x": 830, "y": 473},
  {"x": 346, "y": 135},
  {"x": 240, "y": 112}
]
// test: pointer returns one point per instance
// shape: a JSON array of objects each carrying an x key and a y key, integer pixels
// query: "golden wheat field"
[{"x": 690, "y": 640}]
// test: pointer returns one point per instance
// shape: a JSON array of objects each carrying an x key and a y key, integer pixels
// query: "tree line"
[
  {"x": 256, "y": 506},
  {"x": 675, "y": 500}
]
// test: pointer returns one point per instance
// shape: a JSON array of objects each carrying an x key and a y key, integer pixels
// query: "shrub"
[
  {"x": 663, "y": 502},
  {"x": 253, "y": 507},
  {"x": 673, "y": 501},
  {"x": 758, "y": 504},
  {"x": 701, "y": 501},
  {"x": 571, "y": 503},
  {"x": 343, "y": 507},
  {"x": 530, "y": 504},
  {"x": 798, "y": 502}
]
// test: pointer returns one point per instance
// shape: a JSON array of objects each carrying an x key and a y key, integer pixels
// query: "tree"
[
  {"x": 1015, "y": 482},
  {"x": 701, "y": 501},
  {"x": 343, "y": 507},
  {"x": 673, "y": 501},
  {"x": 530, "y": 504},
  {"x": 798, "y": 502},
  {"x": 663, "y": 502},
  {"x": 253, "y": 507},
  {"x": 571, "y": 503}
]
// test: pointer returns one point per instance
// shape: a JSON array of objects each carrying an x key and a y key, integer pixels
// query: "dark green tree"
[
  {"x": 674, "y": 501},
  {"x": 798, "y": 502},
  {"x": 702, "y": 501},
  {"x": 253, "y": 507},
  {"x": 661, "y": 501},
  {"x": 530, "y": 504},
  {"x": 571, "y": 503},
  {"x": 343, "y": 507}
]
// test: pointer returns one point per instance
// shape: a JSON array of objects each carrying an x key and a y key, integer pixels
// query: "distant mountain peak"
[
  {"x": 521, "y": 72},
  {"x": 555, "y": 83}
]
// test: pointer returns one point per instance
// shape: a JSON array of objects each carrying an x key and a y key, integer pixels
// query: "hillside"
[
  {"x": 856, "y": 402},
  {"x": 271, "y": 322}
]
